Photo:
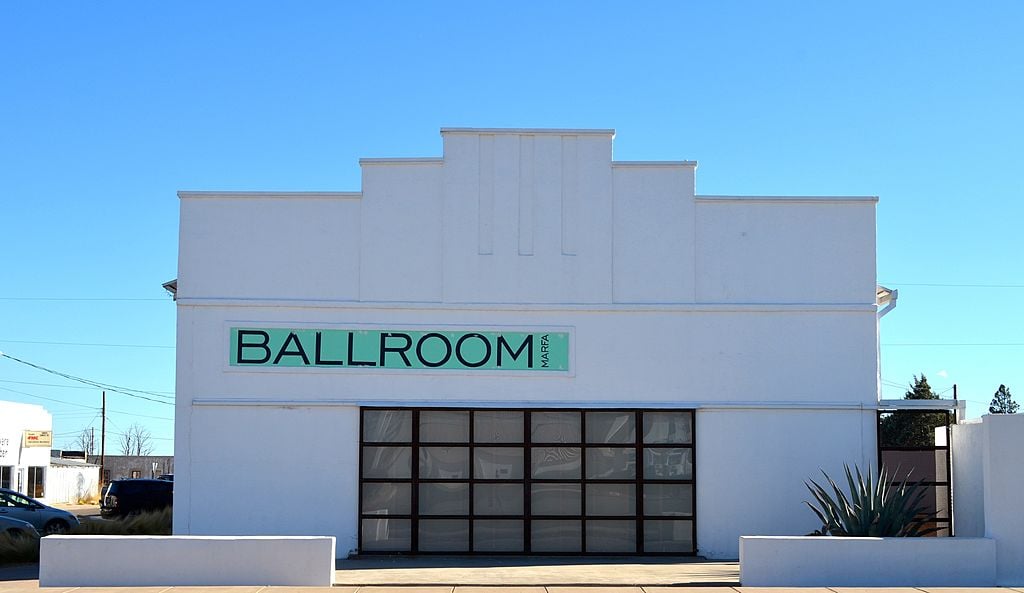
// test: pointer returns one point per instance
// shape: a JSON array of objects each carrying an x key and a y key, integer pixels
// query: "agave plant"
[{"x": 873, "y": 508}]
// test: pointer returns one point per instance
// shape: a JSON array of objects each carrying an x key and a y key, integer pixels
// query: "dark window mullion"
[
  {"x": 414, "y": 530},
  {"x": 527, "y": 479},
  {"x": 639, "y": 482},
  {"x": 472, "y": 475},
  {"x": 583, "y": 481}
]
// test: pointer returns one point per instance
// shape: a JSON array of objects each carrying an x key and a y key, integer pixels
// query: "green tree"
[
  {"x": 1002, "y": 402},
  {"x": 912, "y": 428}
]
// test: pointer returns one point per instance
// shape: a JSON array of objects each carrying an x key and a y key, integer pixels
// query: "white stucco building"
[
  {"x": 521, "y": 346},
  {"x": 26, "y": 435}
]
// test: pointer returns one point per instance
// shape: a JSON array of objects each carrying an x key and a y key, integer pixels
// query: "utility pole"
[{"x": 103, "y": 438}]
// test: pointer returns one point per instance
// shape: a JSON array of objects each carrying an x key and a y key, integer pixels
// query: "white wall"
[
  {"x": 270, "y": 471},
  {"x": 988, "y": 479},
  {"x": 824, "y": 562},
  {"x": 1004, "y": 483},
  {"x": 160, "y": 561},
  {"x": 674, "y": 356},
  {"x": 752, "y": 465},
  {"x": 530, "y": 217},
  {"x": 71, "y": 484},
  {"x": 968, "y": 456}
]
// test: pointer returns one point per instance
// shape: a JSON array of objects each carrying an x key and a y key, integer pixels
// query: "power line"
[
  {"x": 122, "y": 390},
  {"x": 60, "y": 401},
  {"x": 139, "y": 415},
  {"x": 86, "y": 344},
  {"x": 1012, "y": 344},
  {"x": 171, "y": 393},
  {"x": 86, "y": 299},
  {"x": 943, "y": 285}
]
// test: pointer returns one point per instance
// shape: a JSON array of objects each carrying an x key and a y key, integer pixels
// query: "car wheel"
[{"x": 55, "y": 527}]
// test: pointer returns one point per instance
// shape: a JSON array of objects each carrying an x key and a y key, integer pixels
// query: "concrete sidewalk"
[
  {"x": 24, "y": 587},
  {"x": 504, "y": 575},
  {"x": 535, "y": 571}
]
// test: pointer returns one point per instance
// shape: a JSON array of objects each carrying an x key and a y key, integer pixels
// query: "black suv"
[{"x": 131, "y": 496}]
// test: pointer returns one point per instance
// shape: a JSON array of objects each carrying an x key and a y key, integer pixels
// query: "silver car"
[{"x": 45, "y": 519}]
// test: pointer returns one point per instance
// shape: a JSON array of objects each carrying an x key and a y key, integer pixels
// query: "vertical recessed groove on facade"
[
  {"x": 485, "y": 208},
  {"x": 527, "y": 195},
  {"x": 570, "y": 195}
]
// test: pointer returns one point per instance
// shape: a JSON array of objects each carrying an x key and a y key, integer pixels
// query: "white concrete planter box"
[
  {"x": 179, "y": 560},
  {"x": 767, "y": 561}
]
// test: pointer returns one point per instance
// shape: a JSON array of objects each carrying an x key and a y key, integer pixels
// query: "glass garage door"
[{"x": 526, "y": 481}]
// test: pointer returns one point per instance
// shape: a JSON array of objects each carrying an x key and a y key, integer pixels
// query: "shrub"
[
  {"x": 18, "y": 549},
  {"x": 26, "y": 549},
  {"x": 873, "y": 509},
  {"x": 148, "y": 523}
]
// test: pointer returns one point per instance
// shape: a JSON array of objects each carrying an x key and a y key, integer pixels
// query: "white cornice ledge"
[
  {"x": 790, "y": 199},
  {"x": 429, "y": 401},
  {"x": 402, "y": 161},
  {"x": 270, "y": 195},
  {"x": 530, "y": 131},
  {"x": 184, "y": 301},
  {"x": 654, "y": 164}
]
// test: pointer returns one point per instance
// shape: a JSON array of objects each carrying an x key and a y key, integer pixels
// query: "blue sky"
[{"x": 109, "y": 108}]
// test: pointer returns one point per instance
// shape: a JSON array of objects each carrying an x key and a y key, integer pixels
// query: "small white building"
[
  {"x": 522, "y": 346},
  {"x": 26, "y": 435}
]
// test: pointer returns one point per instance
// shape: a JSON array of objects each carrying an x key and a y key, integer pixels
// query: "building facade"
[
  {"x": 26, "y": 435},
  {"x": 116, "y": 467},
  {"x": 522, "y": 346}
]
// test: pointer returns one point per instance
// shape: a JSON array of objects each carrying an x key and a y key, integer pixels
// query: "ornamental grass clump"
[
  {"x": 16, "y": 549},
  {"x": 872, "y": 509}
]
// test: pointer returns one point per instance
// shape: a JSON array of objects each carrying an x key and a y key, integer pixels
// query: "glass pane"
[
  {"x": 611, "y": 499},
  {"x": 497, "y": 427},
  {"x": 668, "y": 536},
  {"x": 929, "y": 466},
  {"x": 387, "y": 426},
  {"x": 387, "y": 535},
  {"x": 668, "y": 428},
  {"x": 444, "y": 426},
  {"x": 387, "y": 499},
  {"x": 556, "y": 536},
  {"x": 673, "y": 463},
  {"x": 498, "y": 463},
  {"x": 444, "y": 499},
  {"x": 668, "y": 499},
  {"x": 387, "y": 462},
  {"x": 555, "y": 427},
  {"x": 497, "y": 536},
  {"x": 611, "y": 463},
  {"x": 444, "y": 463},
  {"x": 497, "y": 499},
  {"x": 611, "y": 536},
  {"x": 444, "y": 535},
  {"x": 910, "y": 428},
  {"x": 555, "y": 463},
  {"x": 611, "y": 427},
  {"x": 555, "y": 499}
]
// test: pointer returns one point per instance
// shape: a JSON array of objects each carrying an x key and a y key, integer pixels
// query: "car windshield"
[{"x": 13, "y": 500}]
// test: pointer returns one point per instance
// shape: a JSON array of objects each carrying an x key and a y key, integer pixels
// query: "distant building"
[
  {"x": 26, "y": 435},
  {"x": 134, "y": 466}
]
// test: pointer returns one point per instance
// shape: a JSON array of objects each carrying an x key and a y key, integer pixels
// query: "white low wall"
[
  {"x": 142, "y": 560},
  {"x": 867, "y": 562}
]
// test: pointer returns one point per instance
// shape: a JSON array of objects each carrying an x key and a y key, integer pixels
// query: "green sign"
[{"x": 400, "y": 349}]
